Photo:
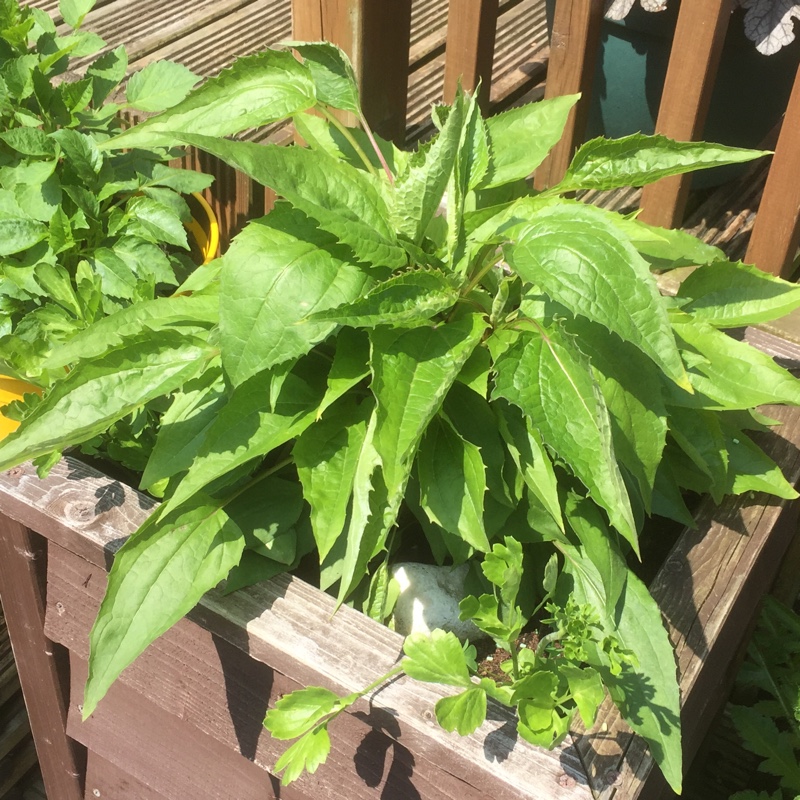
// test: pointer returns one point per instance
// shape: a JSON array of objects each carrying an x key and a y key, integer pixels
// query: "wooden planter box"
[{"x": 185, "y": 720}]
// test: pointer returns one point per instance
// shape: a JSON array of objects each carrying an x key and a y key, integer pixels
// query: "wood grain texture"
[
  {"x": 287, "y": 624},
  {"x": 689, "y": 83},
  {"x": 471, "y": 28},
  {"x": 709, "y": 590},
  {"x": 573, "y": 53},
  {"x": 776, "y": 235},
  {"x": 171, "y": 759},
  {"x": 106, "y": 781},
  {"x": 22, "y": 582},
  {"x": 223, "y": 693}
]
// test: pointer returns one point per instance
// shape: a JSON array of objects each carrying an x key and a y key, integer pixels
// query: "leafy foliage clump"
[
  {"x": 495, "y": 378},
  {"x": 770, "y": 727},
  {"x": 83, "y": 232}
]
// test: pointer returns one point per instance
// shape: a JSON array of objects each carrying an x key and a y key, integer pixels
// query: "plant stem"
[
  {"x": 378, "y": 152},
  {"x": 349, "y": 137},
  {"x": 258, "y": 478},
  {"x": 476, "y": 279},
  {"x": 383, "y": 679}
]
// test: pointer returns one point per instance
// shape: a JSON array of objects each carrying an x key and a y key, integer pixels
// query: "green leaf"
[
  {"x": 546, "y": 377},
  {"x": 637, "y": 160},
  {"x": 183, "y": 426},
  {"x": 371, "y": 516},
  {"x": 527, "y": 450},
  {"x": 160, "y": 85},
  {"x": 587, "y": 691},
  {"x": 261, "y": 414},
  {"x": 74, "y": 11},
  {"x": 521, "y": 138},
  {"x": 19, "y": 233},
  {"x": 750, "y": 469},
  {"x": 535, "y": 696},
  {"x": 412, "y": 372},
  {"x": 342, "y": 199},
  {"x": 151, "y": 315},
  {"x": 599, "y": 545},
  {"x": 464, "y": 712},
  {"x": 580, "y": 260},
  {"x": 334, "y": 79},
  {"x": 255, "y": 91},
  {"x": 452, "y": 482},
  {"x": 699, "y": 435},
  {"x": 158, "y": 220},
  {"x": 107, "y": 72},
  {"x": 503, "y": 625},
  {"x": 666, "y": 249},
  {"x": 326, "y": 455},
  {"x": 30, "y": 142},
  {"x": 762, "y": 737},
  {"x": 276, "y": 274},
  {"x": 731, "y": 295},
  {"x": 411, "y": 297},
  {"x": 474, "y": 420},
  {"x": 116, "y": 277},
  {"x": 82, "y": 154},
  {"x": 631, "y": 387},
  {"x": 305, "y": 755},
  {"x": 296, "y": 713},
  {"x": 419, "y": 190},
  {"x": 648, "y": 696},
  {"x": 103, "y": 390},
  {"x": 734, "y": 373},
  {"x": 350, "y": 365},
  {"x": 436, "y": 658},
  {"x": 158, "y": 576},
  {"x": 503, "y": 567}
]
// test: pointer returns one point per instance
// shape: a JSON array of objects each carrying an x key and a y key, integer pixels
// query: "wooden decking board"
[{"x": 211, "y": 48}]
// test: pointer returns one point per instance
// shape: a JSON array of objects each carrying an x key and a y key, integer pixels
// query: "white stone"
[{"x": 429, "y": 598}]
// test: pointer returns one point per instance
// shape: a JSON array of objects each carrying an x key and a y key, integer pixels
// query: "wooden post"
[
  {"x": 573, "y": 53},
  {"x": 376, "y": 35},
  {"x": 23, "y": 557},
  {"x": 776, "y": 235},
  {"x": 471, "y": 29},
  {"x": 694, "y": 58}
]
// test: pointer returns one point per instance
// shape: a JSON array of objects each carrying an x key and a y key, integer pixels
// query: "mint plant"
[
  {"x": 418, "y": 349},
  {"x": 83, "y": 232}
]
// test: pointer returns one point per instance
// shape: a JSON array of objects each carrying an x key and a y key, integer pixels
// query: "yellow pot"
[
  {"x": 12, "y": 389},
  {"x": 203, "y": 228}
]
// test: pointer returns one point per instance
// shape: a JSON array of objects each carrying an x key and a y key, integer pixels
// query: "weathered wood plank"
[
  {"x": 776, "y": 235},
  {"x": 708, "y": 590},
  {"x": 689, "y": 83},
  {"x": 22, "y": 581},
  {"x": 471, "y": 28},
  {"x": 105, "y": 780},
  {"x": 573, "y": 53},
  {"x": 221, "y": 691},
  {"x": 287, "y": 624},
  {"x": 157, "y": 749}
]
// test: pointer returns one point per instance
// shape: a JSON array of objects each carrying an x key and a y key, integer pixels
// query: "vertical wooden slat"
[
  {"x": 376, "y": 35},
  {"x": 471, "y": 29},
  {"x": 573, "y": 53},
  {"x": 776, "y": 235},
  {"x": 689, "y": 83},
  {"x": 22, "y": 583}
]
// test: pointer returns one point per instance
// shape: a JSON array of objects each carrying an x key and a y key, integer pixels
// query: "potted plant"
[
  {"x": 84, "y": 232},
  {"x": 756, "y": 70},
  {"x": 364, "y": 377}
]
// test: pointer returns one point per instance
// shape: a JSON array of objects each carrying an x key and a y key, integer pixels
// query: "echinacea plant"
[{"x": 494, "y": 380}]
